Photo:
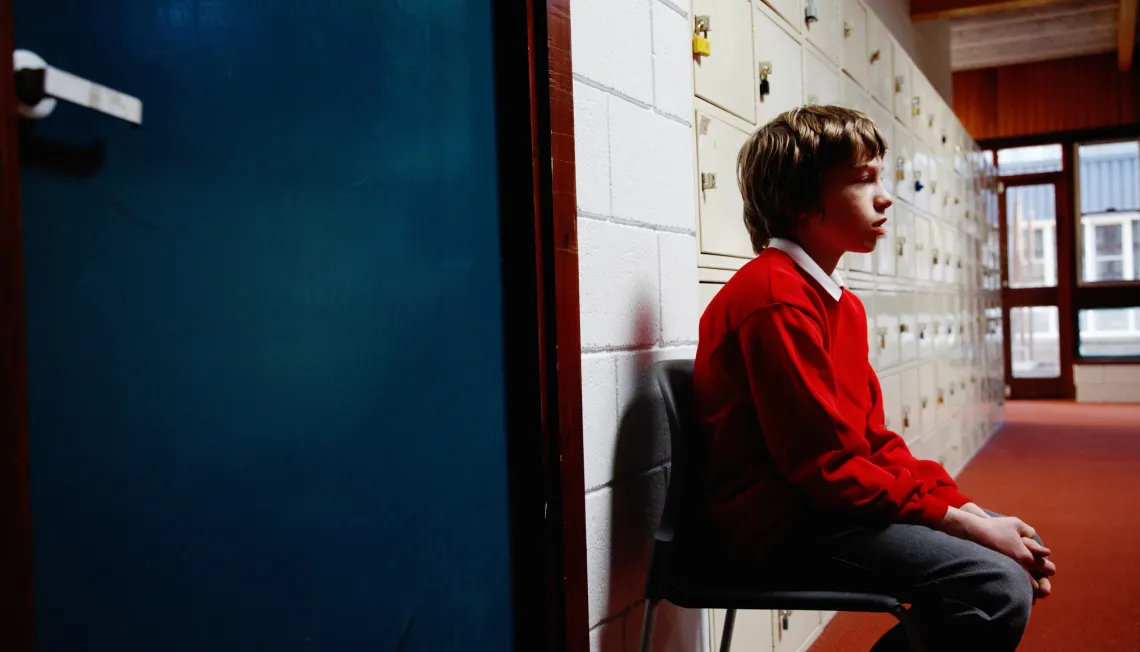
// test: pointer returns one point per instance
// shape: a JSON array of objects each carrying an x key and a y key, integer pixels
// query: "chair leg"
[
  {"x": 726, "y": 637},
  {"x": 647, "y": 625},
  {"x": 913, "y": 634}
]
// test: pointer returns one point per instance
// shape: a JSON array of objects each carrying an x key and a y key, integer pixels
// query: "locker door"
[
  {"x": 904, "y": 243},
  {"x": 779, "y": 56},
  {"x": 900, "y": 64},
  {"x": 725, "y": 77},
  {"x": 938, "y": 322},
  {"x": 791, "y": 11},
  {"x": 825, "y": 32},
  {"x": 887, "y": 327},
  {"x": 886, "y": 124},
  {"x": 918, "y": 103},
  {"x": 855, "y": 97},
  {"x": 922, "y": 249},
  {"x": 903, "y": 166},
  {"x": 706, "y": 292},
  {"x": 867, "y": 297},
  {"x": 891, "y": 385},
  {"x": 911, "y": 425},
  {"x": 853, "y": 17},
  {"x": 880, "y": 81},
  {"x": 925, "y": 305},
  {"x": 937, "y": 251},
  {"x": 886, "y": 251},
  {"x": 821, "y": 81},
  {"x": 721, "y": 206},
  {"x": 908, "y": 335},
  {"x": 927, "y": 393},
  {"x": 921, "y": 175},
  {"x": 952, "y": 241}
]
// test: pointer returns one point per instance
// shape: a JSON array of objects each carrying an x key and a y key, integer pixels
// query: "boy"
[{"x": 805, "y": 483}]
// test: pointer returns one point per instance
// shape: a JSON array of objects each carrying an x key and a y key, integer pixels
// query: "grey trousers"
[{"x": 963, "y": 595}]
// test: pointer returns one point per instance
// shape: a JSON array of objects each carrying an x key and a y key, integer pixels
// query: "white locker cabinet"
[
  {"x": 779, "y": 58},
  {"x": 854, "y": 97},
  {"x": 904, "y": 243},
  {"x": 853, "y": 57},
  {"x": 867, "y": 298},
  {"x": 725, "y": 77},
  {"x": 901, "y": 69},
  {"x": 880, "y": 79},
  {"x": 942, "y": 381},
  {"x": 919, "y": 104},
  {"x": 791, "y": 11},
  {"x": 886, "y": 125},
  {"x": 921, "y": 175},
  {"x": 886, "y": 251},
  {"x": 951, "y": 320},
  {"x": 891, "y": 384},
  {"x": 821, "y": 81},
  {"x": 927, "y": 393},
  {"x": 706, "y": 292},
  {"x": 926, "y": 306},
  {"x": 922, "y": 248},
  {"x": 937, "y": 253},
  {"x": 863, "y": 263},
  {"x": 887, "y": 327},
  {"x": 908, "y": 335},
  {"x": 909, "y": 412},
  {"x": 824, "y": 32},
  {"x": 903, "y": 167},
  {"x": 752, "y": 630},
  {"x": 801, "y": 626},
  {"x": 938, "y": 322},
  {"x": 721, "y": 207}
]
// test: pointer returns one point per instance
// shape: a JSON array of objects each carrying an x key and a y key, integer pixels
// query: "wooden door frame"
[
  {"x": 538, "y": 237},
  {"x": 1061, "y": 295}
]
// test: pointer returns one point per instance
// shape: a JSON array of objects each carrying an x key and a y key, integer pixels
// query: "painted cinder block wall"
[{"x": 638, "y": 276}]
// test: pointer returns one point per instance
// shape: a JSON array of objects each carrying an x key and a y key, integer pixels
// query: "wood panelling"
[
  {"x": 943, "y": 9},
  {"x": 1045, "y": 97}
]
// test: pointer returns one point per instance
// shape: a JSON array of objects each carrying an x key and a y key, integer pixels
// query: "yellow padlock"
[{"x": 701, "y": 46}]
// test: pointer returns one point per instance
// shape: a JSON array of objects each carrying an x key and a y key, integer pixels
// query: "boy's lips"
[{"x": 880, "y": 227}]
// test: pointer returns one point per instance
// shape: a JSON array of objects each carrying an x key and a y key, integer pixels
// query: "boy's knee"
[{"x": 1010, "y": 592}]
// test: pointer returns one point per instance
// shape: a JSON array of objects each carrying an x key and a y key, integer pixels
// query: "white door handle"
[{"x": 38, "y": 86}]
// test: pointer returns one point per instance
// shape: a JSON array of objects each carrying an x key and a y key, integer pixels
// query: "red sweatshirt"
[{"x": 792, "y": 410}]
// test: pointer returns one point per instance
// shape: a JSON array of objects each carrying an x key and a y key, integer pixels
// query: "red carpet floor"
[{"x": 1073, "y": 472}]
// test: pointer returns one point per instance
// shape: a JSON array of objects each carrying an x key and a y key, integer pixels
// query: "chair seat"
[{"x": 747, "y": 599}]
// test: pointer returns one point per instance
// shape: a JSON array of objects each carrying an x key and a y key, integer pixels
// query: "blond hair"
[{"x": 781, "y": 167}]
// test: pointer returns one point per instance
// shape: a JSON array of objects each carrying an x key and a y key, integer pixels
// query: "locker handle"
[
  {"x": 923, "y": 401},
  {"x": 846, "y": 29},
  {"x": 875, "y": 55}
]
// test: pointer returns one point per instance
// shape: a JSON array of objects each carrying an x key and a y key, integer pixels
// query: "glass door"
[{"x": 1034, "y": 209}]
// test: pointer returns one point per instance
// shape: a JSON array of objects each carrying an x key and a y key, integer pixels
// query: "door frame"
[
  {"x": 1061, "y": 387},
  {"x": 542, "y": 366}
]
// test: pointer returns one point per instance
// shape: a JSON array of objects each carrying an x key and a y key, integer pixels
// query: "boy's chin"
[{"x": 865, "y": 247}]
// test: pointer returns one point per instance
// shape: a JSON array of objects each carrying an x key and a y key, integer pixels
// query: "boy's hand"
[
  {"x": 1009, "y": 536},
  {"x": 972, "y": 508}
]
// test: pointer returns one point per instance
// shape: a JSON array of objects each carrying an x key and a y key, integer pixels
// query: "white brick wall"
[{"x": 638, "y": 291}]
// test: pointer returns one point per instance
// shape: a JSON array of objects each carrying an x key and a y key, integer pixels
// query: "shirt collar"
[{"x": 832, "y": 284}]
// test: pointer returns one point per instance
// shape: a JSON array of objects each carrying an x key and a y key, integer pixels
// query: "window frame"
[{"x": 1097, "y": 294}]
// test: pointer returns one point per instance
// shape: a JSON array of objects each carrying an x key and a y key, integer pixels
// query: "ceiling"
[{"x": 1023, "y": 34}]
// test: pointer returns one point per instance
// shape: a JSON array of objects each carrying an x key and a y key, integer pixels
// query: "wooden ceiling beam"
[
  {"x": 1126, "y": 35},
  {"x": 921, "y": 10}
]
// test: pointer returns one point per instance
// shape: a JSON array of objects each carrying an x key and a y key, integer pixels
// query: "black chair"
[{"x": 671, "y": 573}]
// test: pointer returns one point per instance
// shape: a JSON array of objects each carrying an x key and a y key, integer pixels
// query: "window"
[
  {"x": 1029, "y": 160},
  {"x": 1035, "y": 347},
  {"x": 1032, "y": 228},
  {"x": 1109, "y": 332},
  {"x": 1110, "y": 211}
]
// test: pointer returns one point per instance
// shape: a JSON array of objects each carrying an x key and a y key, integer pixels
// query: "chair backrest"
[{"x": 675, "y": 377}]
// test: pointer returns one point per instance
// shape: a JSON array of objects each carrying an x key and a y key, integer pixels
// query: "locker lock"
[
  {"x": 900, "y": 172},
  {"x": 922, "y": 331},
  {"x": 930, "y": 121},
  {"x": 813, "y": 99},
  {"x": 708, "y": 181},
  {"x": 811, "y": 14},
  {"x": 904, "y": 328},
  {"x": 875, "y": 55},
  {"x": 784, "y": 613},
  {"x": 922, "y": 401},
  {"x": 765, "y": 70},
  {"x": 941, "y": 397},
  {"x": 882, "y": 338},
  {"x": 935, "y": 252},
  {"x": 846, "y": 29},
  {"x": 916, "y": 106},
  {"x": 899, "y": 84},
  {"x": 702, "y": 47},
  {"x": 906, "y": 417},
  {"x": 902, "y": 244}
]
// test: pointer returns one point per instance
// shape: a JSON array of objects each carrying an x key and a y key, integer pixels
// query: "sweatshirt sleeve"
[
  {"x": 812, "y": 443},
  {"x": 889, "y": 450}
]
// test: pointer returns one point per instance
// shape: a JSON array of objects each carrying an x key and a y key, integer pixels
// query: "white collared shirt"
[{"x": 833, "y": 284}]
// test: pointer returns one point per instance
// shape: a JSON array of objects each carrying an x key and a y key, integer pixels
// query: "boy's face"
[{"x": 852, "y": 209}]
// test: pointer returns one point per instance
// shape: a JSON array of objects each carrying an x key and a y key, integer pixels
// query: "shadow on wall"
[{"x": 640, "y": 479}]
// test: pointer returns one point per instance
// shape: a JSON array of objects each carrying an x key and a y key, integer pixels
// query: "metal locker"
[
  {"x": 879, "y": 56},
  {"x": 721, "y": 207},
  {"x": 821, "y": 81},
  {"x": 887, "y": 327},
  {"x": 867, "y": 298},
  {"x": 886, "y": 251},
  {"x": 821, "y": 21},
  {"x": 724, "y": 76},
  {"x": 854, "y": 97},
  {"x": 904, "y": 243},
  {"x": 706, "y": 293},
  {"x": 927, "y": 393},
  {"x": 779, "y": 61},
  {"x": 901, "y": 69},
  {"x": 925, "y": 306},
  {"x": 891, "y": 385},
  {"x": 909, "y": 411},
  {"x": 902, "y": 165},
  {"x": 791, "y": 11},
  {"x": 937, "y": 253},
  {"x": 908, "y": 335},
  {"x": 922, "y": 249},
  {"x": 921, "y": 173},
  {"x": 752, "y": 630},
  {"x": 853, "y": 54}
]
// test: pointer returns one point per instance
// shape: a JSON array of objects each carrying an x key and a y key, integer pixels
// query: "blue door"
[{"x": 264, "y": 336}]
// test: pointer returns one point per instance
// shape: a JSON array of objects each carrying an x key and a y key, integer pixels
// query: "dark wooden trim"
[
  {"x": 1097, "y": 360},
  {"x": 1090, "y": 297},
  {"x": 1022, "y": 297},
  {"x": 17, "y": 633},
  {"x": 566, "y": 373},
  {"x": 1081, "y": 136},
  {"x": 1065, "y": 243},
  {"x": 1034, "y": 179}
]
